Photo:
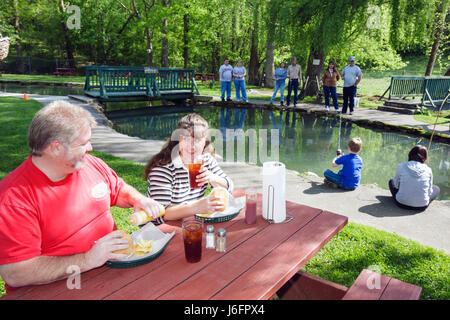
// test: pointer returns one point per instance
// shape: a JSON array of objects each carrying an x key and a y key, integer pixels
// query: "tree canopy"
[{"x": 200, "y": 33}]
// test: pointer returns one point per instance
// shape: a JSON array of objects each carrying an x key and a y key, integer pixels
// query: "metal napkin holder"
[{"x": 270, "y": 217}]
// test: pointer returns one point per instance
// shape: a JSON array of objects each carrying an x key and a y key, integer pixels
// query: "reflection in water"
[{"x": 306, "y": 142}]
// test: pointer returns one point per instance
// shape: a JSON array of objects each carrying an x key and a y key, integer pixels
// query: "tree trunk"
[
  {"x": 447, "y": 74},
  {"x": 253, "y": 67},
  {"x": 69, "y": 45},
  {"x": 149, "y": 47},
  {"x": 269, "y": 68},
  {"x": 314, "y": 71},
  {"x": 164, "y": 40},
  {"x": 21, "y": 64},
  {"x": 186, "y": 41},
  {"x": 441, "y": 12},
  {"x": 254, "y": 64}
]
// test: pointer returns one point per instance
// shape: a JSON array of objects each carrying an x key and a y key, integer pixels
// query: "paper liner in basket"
[{"x": 150, "y": 232}]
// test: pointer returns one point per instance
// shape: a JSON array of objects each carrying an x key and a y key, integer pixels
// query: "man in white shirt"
[
  {"x": 351, "y": 75},
  {"x": 225, "y": 76},
  {"x": 294, "y": 74}
]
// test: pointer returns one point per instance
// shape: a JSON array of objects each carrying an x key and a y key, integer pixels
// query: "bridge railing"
[{"x": 138, "y": 81}]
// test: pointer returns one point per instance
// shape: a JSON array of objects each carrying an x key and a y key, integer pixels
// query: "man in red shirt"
[{"x": 55, "y": 207}]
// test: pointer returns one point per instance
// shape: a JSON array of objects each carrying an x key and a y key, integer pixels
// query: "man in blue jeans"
[
  {"x": 294, "y": 74},
  {"x": 352, "y": 75},
  {"x": 225, "y": 75},
  {"x": 349, "y": 176}
]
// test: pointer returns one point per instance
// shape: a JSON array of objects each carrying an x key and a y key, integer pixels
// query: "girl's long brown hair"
[{"x": 186, "y": 126}]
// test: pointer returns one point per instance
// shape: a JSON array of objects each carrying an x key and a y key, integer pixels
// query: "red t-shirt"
[{"x": 41, "y": 217}]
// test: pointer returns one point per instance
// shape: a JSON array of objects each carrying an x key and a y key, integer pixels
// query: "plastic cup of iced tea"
[
  {"x": 192, "y": 238},
  {"x": 194, "y": 170}
]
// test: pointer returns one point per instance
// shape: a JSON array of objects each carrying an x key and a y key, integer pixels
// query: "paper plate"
[
  {"x": 234, "y": 207},
  {"x": 160, "y": 240}
]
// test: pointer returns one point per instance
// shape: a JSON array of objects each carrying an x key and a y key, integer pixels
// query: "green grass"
[
  {"x": 430, "y": 117},
  {"x": 359, "y": 247},
  {"x": 45, "y": 78},
  {"x": 356, "y": 247}
]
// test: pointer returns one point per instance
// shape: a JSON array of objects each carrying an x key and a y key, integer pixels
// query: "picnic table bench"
[
  {"x": 65, "y": 72},
  {"x": 368, "y": 286},
  {"x": 204, "y": 77},
  {"x": 259, "y": 259}
]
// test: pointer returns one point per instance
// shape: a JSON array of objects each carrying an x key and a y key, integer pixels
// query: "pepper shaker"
[{"x": 221, "y": 240}]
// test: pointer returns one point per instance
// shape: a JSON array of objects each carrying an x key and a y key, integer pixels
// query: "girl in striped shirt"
[{"x": 168, "y": 176}]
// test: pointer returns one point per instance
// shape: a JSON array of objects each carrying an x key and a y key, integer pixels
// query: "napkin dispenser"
[{"x": 274, "y": 192}]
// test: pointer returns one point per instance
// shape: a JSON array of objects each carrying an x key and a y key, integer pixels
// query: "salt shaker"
[
  {"x": 221, "y": 240},
  {"x": 210, "y": 241}
]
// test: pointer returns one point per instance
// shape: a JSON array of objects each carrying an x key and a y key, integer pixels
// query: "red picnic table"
[{"x": 260, "y": 258}]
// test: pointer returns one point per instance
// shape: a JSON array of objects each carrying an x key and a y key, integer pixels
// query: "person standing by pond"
[
  {"x": 412, "y": 187},
  {"x": 225, "y": 76},
  {"x": 330, "y": 78},
  {"x": 294, "y": 73},
  {"x": 352, "y": 76},
  {"x": 280, "y": 79},
  {"x": 239, "y": 74}
]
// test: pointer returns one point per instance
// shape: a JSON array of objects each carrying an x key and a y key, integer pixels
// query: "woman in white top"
[
  {"x": 168, "y": 176},
  {"x": 412, "y": 187}
]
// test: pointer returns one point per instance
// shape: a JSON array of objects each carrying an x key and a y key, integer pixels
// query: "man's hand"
[
  {"x": 130, "y": 197},
  {"x": 148, "y": 205},
  {"x": 103, "y": 248}
]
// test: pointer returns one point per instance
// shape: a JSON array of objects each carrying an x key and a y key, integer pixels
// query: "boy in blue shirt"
[{"x": 349, "y": 176}]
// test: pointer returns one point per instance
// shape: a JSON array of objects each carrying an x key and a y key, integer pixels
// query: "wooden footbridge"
[{"x": 120, "y": 84}]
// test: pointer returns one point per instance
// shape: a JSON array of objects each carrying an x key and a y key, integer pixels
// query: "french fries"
[{"x": 142, "y": 247}]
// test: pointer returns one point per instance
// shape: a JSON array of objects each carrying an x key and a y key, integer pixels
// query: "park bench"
[
  {"x": 428, "y": 89},
  {"x": 65, "y": 72},
  {"x": 204, "y": 77},
  {"x": 368, "y": 286}
]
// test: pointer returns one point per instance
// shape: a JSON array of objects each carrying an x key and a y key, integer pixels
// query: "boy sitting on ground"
[{"x": 349, "y": 176}]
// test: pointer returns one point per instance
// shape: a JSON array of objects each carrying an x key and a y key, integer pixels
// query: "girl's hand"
[
  {"x": 211, "y": 204},
  {"x": 204, "y": 177}
]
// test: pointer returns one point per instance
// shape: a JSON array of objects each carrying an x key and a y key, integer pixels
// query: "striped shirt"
[{"x": 169, "y": 184}]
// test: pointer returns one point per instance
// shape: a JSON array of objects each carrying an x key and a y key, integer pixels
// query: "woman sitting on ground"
[
  {"x": 168, "y": 176},
  {"x": 412, "y": 187}
]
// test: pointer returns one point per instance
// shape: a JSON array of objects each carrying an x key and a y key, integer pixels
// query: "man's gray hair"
[{"x": 61, "y": 121}]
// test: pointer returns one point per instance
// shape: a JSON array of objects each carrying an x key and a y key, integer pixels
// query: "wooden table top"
[{"x": 259, "y": 259}]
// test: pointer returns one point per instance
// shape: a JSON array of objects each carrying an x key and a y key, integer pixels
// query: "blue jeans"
[
  {"x": 278, "y": 85},
  {"x": 293, "y": 84},
  {"x": 349, "y": 98},
  {"x": 327, "y": 91},
  {"x": 336, "y": 178},
  {"x": 225, "y": 86},
  {"x": 239, "y": 85}
]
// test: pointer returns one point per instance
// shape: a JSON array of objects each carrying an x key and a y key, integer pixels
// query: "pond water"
[
  {"x": 305, "y": 143},
  {"x": 41, "y": 89}
]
